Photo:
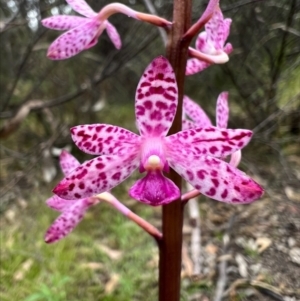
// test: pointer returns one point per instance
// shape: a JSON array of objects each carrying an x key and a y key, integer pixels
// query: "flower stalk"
[
  {"x": 114, "y": 202},
  {"x": 114, "y": 8},
  {"x": 172, "y": 214}
]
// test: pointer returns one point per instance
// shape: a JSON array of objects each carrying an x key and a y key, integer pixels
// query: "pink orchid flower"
[
  {"x": 192, "y": 153},
  {"x": 72, "y": 210},
  {"x": 83, "y": 33},
  {"x": 199, "y": 119},
  {"x": 210, "y": 45}
]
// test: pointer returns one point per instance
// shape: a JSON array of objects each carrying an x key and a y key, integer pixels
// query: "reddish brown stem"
[
  {"x": 193, "y": 30},
  {"x": 172, "y": 214}
]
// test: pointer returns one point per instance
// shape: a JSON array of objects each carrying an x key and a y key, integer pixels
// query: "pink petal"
[
  {"x": 104, "y": 139},
  {"x": 235, "y": 158},
  {"x": 217, "y": 179},
  {"x": 156, "y": 98},
  {"x": 196, "y": 113},
  {"x": 67, "y": 162},
  {"x": 82, "y": 8},
  {"x": 63, "y": 22},
  {"x": 97, "y": 175},
  {"x": 59, "y": 204},
  {"x": 226, "y": 29},
  {"x": 67, "y": 221},
  {"x": 228, "y": 48},
  {"x": 215, "y": 31},
  {"x": 201, "y": 41},
  {"x": 154, "y": 189},
  {"x": 222, "y": 110},
  {"x": 208, "y": 141},
  {"x": 194, "y": 66},
  {"x": 113, "y": 35},
  {"x": 73, "y": 41},
  {"x": 188, "y": 124}
]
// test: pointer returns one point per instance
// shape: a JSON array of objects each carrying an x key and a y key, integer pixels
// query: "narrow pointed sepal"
[
  {"x": 113, "y": 35},
  {"x": 222, "y": 110},
  {"x": 217, "y": 179},
  {"x": 104, "y": 139},
  {"x": 67, "y": 221},
  {"x": 59, "y": 204},
  {"x": 62, "y": 22},
  {"x": 67, "y": 162},
  {"x": 81, "y": 7},
  {"x": 194, "y": 66},
  {"x": 96, "y": 176},
  {"x": 74, "y": 41},
  {"x": 154, "y": 189},
  {"x": 196, "y": 113}
]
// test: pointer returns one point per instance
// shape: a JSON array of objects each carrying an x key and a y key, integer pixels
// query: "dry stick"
[
  {"x": 223, "y": 264},
  {"x": 172, "y": 214},
  {"x": 196, "y": 232}
]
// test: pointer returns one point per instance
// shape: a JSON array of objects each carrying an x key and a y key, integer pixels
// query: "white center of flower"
[{"x": 153, "y": 163}]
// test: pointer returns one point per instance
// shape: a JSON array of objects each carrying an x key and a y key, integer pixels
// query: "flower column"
[{"x": 171, "y": 244}]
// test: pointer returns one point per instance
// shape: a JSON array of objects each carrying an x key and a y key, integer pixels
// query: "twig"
[
  {"x": 221, "y": 284},
  {"x": 196, "y": 233}
]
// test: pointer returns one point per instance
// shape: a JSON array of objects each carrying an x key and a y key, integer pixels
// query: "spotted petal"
[
  {"x": 216, "y": 179},
  {"x": 73, "y": 41},
  {"x": 226, "y": 29},
  {"x": 113, "y": 35},
  {"x": 97, "y": 175},
  {"x": 194, "y": 66},
  {"x": 82, "y": 8},
  {"x": 195, "y": 112},
  {"x": 222, "y": 110},
  {"x": 156, "y": 98},
  {"x": 59, "y": 204},
  {"x": 67, "y": 221},
  {"x": 216, "y": 30},
  {"x": 154, "y": 189},
  {"x": 104, "y": 139},
  {"x": 67, "y": 162},
  {"x": 209, "y": 141},
  {"x": 63, "y": 22},
  {"x": 188, "y": 124}
]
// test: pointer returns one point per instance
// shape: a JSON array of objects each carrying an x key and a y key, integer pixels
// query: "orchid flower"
[
  {"x": 192, "y": 153},
  {"x": 83, "y": 32},
  {"x": 199, "y": 119},
  {"x": 210, "y": 44},
  {"x": 72, "y": 210}
]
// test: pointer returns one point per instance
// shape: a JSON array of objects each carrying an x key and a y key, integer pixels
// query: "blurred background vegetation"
[{"x": 41, "y": 99}]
